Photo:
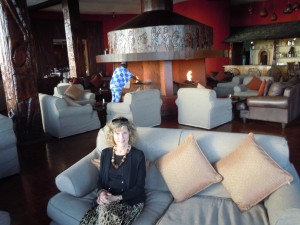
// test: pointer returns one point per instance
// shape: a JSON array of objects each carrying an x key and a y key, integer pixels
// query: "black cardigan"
[{"x": 135, "y": 173}]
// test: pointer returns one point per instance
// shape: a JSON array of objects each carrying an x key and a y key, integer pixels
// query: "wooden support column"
[
  {"x": 19, "y": 70},
  {"x": 74, "y": 38},
  {"x": 166, "y": 78}
]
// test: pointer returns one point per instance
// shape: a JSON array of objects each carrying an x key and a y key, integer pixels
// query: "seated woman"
[{"x": 121, "y": 193}]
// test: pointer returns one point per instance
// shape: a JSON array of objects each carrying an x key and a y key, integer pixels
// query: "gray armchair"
[
  {"x": 199, "y": 107},
  {"x": 86, "y": 97},
  {"x": 142, "y": 107},
  {"x": 61, "y": 119}
]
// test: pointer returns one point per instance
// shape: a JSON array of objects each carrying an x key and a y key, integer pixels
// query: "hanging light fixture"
[
  {"x": 274, "y": 15},
  {"x": 288, "y": 9},
  {"x": 250, "y": 9},
  {"x": 263, "y": 12},
  {"x": 295, "y": 6}
]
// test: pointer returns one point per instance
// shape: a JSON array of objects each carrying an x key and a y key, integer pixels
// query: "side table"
[
  {"x": 238, "y": 103},
  {"x": 100, "y": 107}
]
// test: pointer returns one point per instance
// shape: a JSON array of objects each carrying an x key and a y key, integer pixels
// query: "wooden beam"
[
  {"x": 44, "y": 5},
  {"x": 74, "y": 38},
  {"x": 19, "y": 71}
]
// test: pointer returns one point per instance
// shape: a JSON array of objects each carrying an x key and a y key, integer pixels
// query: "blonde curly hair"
[{"x": 118, "y": 123}]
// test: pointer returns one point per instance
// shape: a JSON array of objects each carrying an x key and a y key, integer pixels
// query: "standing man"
[{"x": 119, "y": 79}]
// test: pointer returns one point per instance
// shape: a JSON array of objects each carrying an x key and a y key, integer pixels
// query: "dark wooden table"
[
  {"x": 100, "y": 107},
  {"x": 237, "y": 103}
]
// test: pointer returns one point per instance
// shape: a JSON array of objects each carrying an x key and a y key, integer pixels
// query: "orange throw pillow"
[
  {"x": 254, "y": 84},
  {"x": 262, "y": 88},
  {"x": 220, "y": 76}
]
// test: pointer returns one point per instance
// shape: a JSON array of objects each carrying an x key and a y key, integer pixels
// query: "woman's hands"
[{"x": 105, "y": 197}]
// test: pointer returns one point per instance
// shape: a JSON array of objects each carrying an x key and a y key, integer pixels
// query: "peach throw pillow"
[
  {"x": 254, "y": 84},
  {"x": 186, "y": 170},
  {"x": 73, "y": 92},
  {"x": 250, "y": 174}
]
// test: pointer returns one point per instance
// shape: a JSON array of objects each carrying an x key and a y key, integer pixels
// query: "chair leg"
[
  {"x": 283, "y": 125},
  {"x": 244, "y": 120}
]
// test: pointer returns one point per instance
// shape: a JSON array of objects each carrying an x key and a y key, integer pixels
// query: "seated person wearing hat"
[{"x": 119, "y": 79}]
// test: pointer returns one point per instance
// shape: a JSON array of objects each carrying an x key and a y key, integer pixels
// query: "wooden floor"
[{"x": 25, "y": 195}]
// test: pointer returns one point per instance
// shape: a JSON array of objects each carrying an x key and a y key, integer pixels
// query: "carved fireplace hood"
[{"x": 159, "y": 34}]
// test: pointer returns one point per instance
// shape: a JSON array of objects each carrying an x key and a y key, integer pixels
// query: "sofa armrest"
[
  {"x": 70, "y": 111},
  {"x": 87, "y": 95},
  {"x": 81, "y": 178},
  {"x": 283, "y": 205},
  {"x": 222, "y": 102},
  {"x": 118, "y": 107},
  {"x": 268, "y": 101},
  {"x": 240, "y": 88}
]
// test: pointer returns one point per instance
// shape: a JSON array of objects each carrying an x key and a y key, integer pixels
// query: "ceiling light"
[
  {"x": 288, "y": 9},
  {"x": 295, "y": 6},
  {"x": 274, "y": 17},
  {"x": 263, "y": 12}
]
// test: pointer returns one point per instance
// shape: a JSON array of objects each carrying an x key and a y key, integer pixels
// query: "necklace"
[{"x": 115, "y": 165}]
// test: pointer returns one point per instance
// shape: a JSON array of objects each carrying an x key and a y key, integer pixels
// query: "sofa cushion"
[
  {"x": 250, "y": 174},
  {"x": 210, "y": 210},
  {"x": 70, "y": 101},
  {"x": 267, "y": 87},
  {"x": 73, "y": 92},
  {"x": 262, "y": 88},
  {"x": 154, "y": 180},
  {"x": 276, "y": 89},
  {"x": 186, "y": 170},
  {"x": 254, "y": 84}
]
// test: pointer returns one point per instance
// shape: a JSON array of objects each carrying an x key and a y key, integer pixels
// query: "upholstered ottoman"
[
  {"x": 4, "y": 218},
  {"x": 9, "y": 162}
]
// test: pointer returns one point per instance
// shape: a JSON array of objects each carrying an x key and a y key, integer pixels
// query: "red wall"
[
  {"x": 241, "y": 17},
  {"x": 212, "y": 13}
]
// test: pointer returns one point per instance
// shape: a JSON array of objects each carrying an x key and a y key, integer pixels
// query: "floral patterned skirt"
[{"x": 116, "y": 213}]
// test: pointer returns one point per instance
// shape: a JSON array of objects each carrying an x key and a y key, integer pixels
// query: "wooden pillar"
[
  {"x": 166, "y": 78},
  {"x": 74, "y": 38},
  {"x": 19, "y": 70}
]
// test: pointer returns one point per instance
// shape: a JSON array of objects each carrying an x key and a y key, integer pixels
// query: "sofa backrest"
[
  {"x": 199, "y": 96},
  {"x": 142, "y": 96},
  {"x": 145, "y": 106},
  {"x": 155, "y": 142},
  {"x": 62, "y": 87}
]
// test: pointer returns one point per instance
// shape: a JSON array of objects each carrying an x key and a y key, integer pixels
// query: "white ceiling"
[{"x": 114, "y": 6}]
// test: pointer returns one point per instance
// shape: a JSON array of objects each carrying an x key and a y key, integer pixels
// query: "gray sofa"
[
  {"x": 224, "y": 89},
  {"x": 241, "y": 90},
  {"x": 9, "y": 161},
  {"x": 208, "y": 207},
  {"x": 282, "y": 107}
]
